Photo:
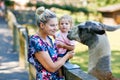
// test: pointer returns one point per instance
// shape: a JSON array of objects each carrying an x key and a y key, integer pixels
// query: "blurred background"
[
  {"x": 104, "y": 11},
  {"x": 80, "y": 10}
]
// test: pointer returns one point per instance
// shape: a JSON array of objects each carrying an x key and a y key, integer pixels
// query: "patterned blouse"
[{"x": 36, "y": 44}]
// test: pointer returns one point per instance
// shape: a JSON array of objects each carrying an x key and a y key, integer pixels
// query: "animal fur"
[{"x": 92, "y": 34}]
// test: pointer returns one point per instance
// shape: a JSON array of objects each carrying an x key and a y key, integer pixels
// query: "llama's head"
[
  {"x": 93, "y": 35},
  {"x": 88, "y": 31}
]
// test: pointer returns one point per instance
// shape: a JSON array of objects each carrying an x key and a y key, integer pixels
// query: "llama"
[{"x": 92, "y": 34}]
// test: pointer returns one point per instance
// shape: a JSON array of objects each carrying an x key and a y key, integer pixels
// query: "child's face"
[{"x": 64, "y": 25}]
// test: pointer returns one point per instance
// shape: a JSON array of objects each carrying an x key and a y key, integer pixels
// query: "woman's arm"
[{"x": 44, "y": 58}]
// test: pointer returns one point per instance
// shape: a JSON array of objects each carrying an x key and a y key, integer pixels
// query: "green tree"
[{"x": 107, "y": 2}]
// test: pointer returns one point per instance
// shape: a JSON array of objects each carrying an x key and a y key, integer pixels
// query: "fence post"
[
  {"x": 26, "y": 35},
  {"x": 32, "y": 72},
  {"x": 23, "y": 41},
  {"x": 15, "y": 37}
]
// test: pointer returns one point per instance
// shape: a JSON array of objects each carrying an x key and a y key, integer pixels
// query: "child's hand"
[{"x": 60, "y": 45}]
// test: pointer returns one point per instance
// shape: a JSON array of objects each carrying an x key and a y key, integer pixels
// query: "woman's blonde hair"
[
  {"x": 43, "y": 15},
  {"x": 67, "y": 17}
]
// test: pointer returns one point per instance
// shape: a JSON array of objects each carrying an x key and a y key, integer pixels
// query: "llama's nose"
[{"x": 68, "y": 31}]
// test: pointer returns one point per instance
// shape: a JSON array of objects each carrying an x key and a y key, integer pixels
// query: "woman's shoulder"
[{"x": 34, "y": 38}]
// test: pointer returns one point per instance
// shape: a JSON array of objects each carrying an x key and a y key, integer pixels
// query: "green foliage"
[
  {"x": 70, "y": 8},
  {"x": 9, "y": 3},
  {"x": 107, "y": 2},
  {"x": 30, "y": 4}
]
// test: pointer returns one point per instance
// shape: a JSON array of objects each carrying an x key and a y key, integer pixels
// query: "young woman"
[{"x": 42, "y": 52}]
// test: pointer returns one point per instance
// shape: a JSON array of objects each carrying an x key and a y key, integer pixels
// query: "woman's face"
[
  {"x": 64, "y": 25},
  {"x": 51, "y": 26}
]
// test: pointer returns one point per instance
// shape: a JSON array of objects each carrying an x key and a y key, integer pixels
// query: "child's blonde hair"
[
  {"x": 43, "y": 15},
  {"x": 67, "y": 17}
]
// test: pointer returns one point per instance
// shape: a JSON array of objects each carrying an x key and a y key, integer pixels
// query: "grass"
[{"x": 81, "y": 56}]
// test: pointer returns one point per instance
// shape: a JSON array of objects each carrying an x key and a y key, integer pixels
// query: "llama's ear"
[
  {"x": 95, "y": 27},
  {"x": 110, "y": 28}
]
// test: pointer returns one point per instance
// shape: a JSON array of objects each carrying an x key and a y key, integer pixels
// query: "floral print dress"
[{"x": 36, "y": 44}]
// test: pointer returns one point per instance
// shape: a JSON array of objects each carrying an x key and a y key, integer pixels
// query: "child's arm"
[
  {"x": 69, "y": 47},
  {"x": 66, "y": 46}
]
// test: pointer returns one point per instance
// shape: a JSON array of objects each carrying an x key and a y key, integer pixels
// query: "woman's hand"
[{"x": 70, "y": 54}]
